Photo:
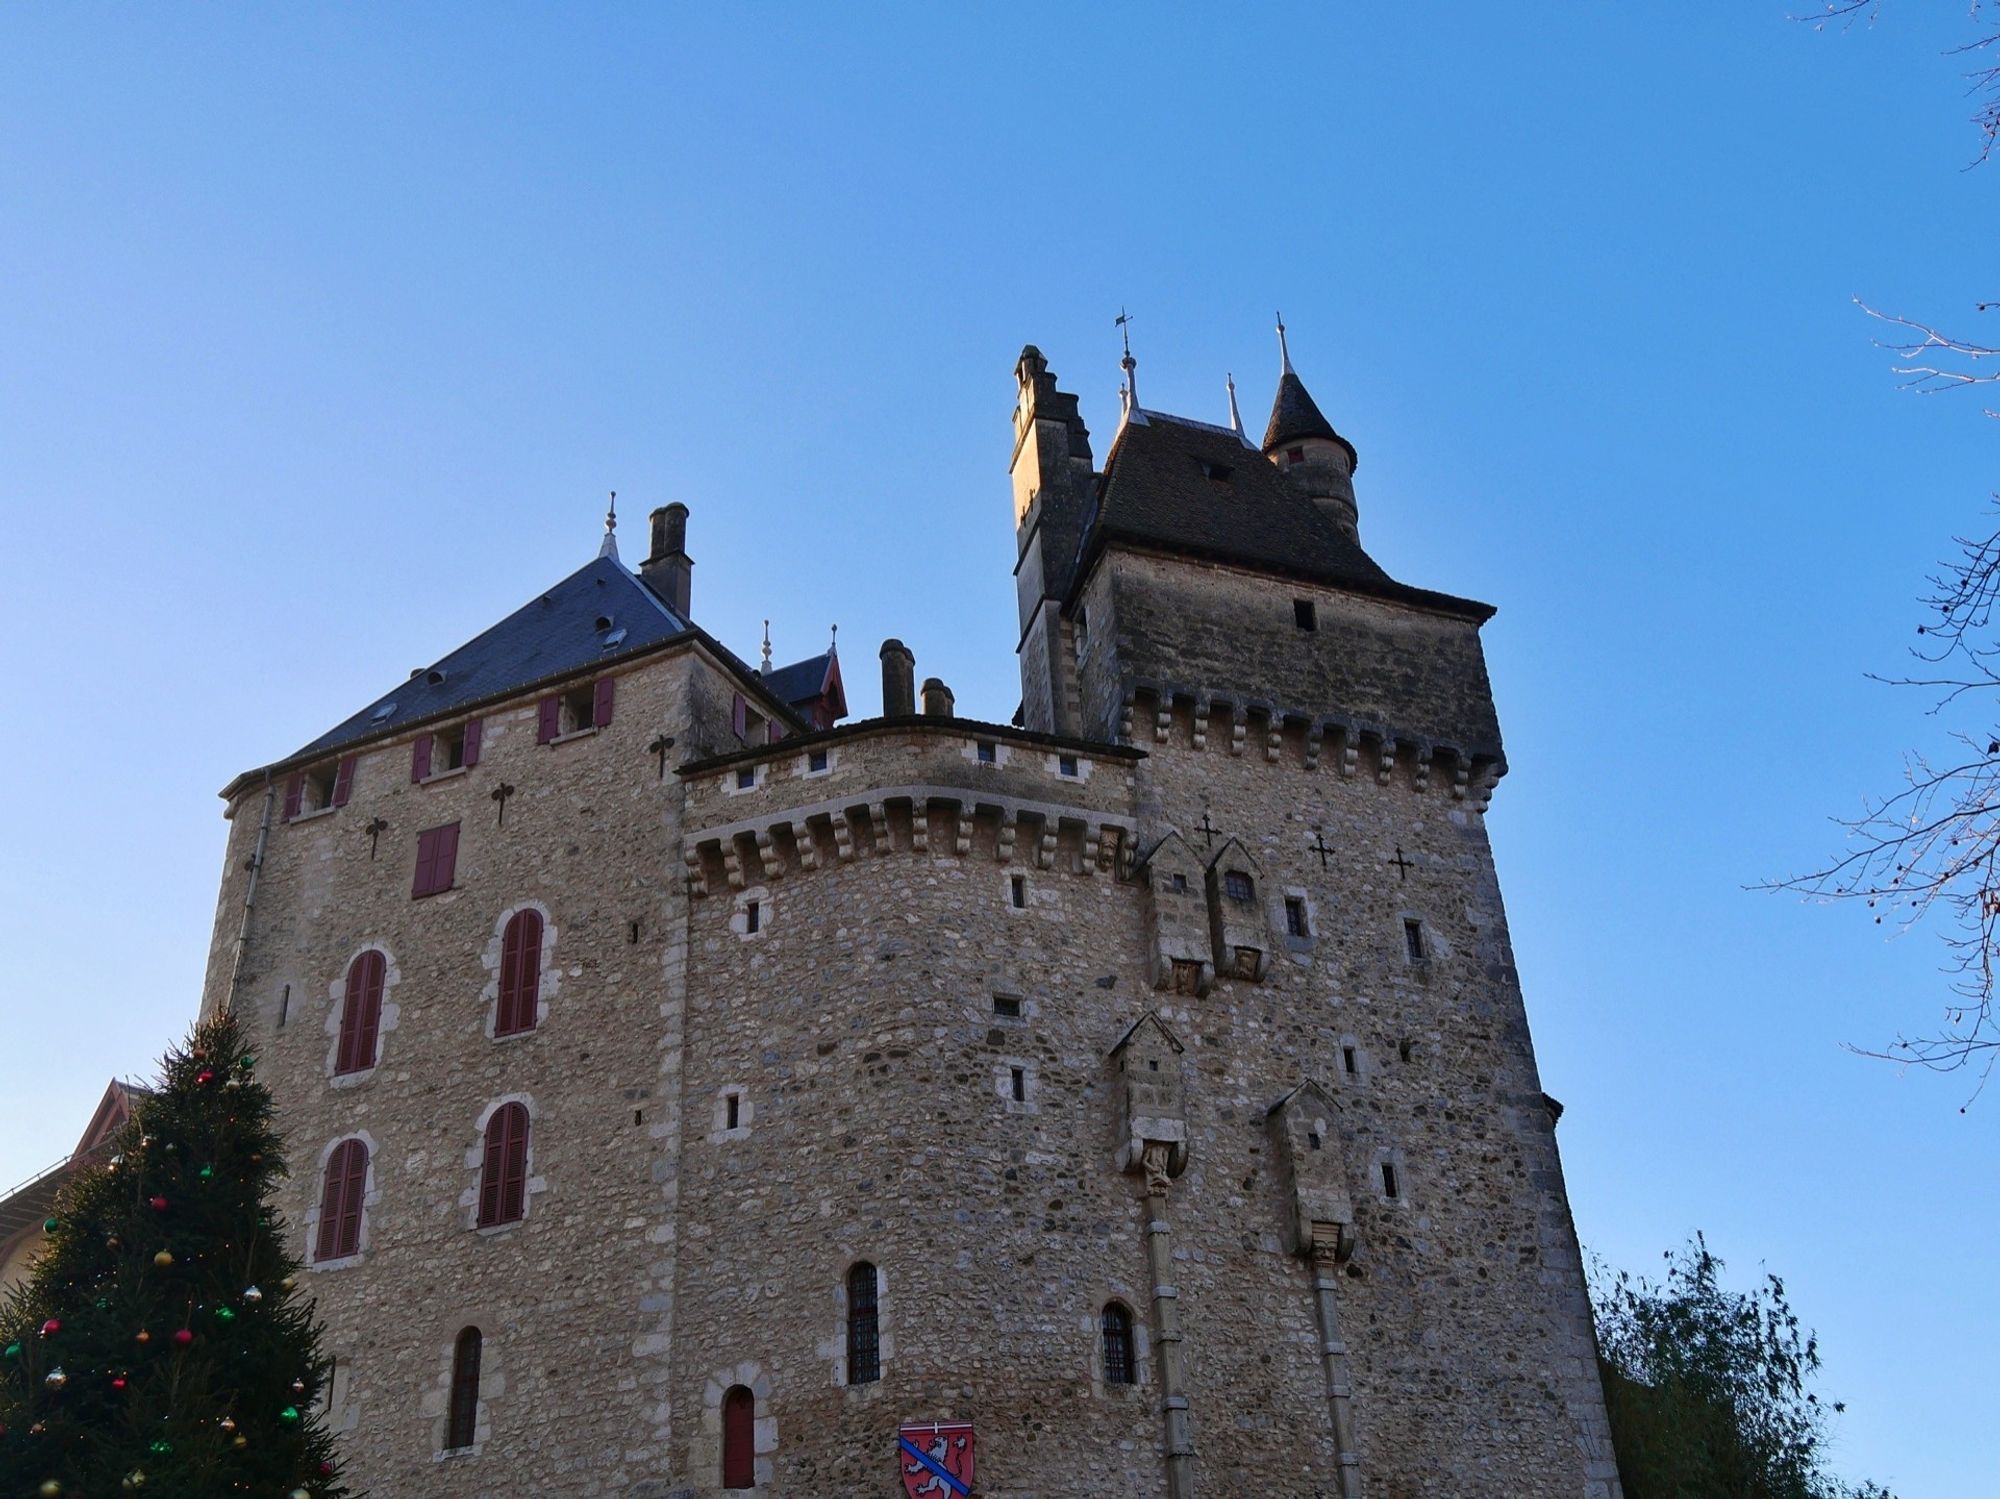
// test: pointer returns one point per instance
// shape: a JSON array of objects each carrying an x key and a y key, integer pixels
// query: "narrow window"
[
  {"x": 340, "y": 1201},
  {"x": 520, "y": 974},
  {"x": 1017, "y": 1078},
  {"x": 1238, "y": 886},
  {"x": 1295, "y": 455},
  {"x": 361, "y": 1013},
  {"x": 1295, "y": 917},
  {"x": 284, "y": 1006},
  {"x": 1305, "y": 615},
  {"x": 746, "y": 778},
  {"x": 1180, "y": 884},
  {"x": 1017, "y": 886},
  {"x": 1406, "y": 1050},
  {"x": 1390, "y": 1187},
  {"x": 1349, "y": 1062},
  {"x": 1119, "y": 1365},
  {"x": 1007, "y": 1005},
  {"x": 437, "y": 861},
  {"x": 1066, "y": 765},
  {"x": 463, "y": 1423},
  {"x": 753, "y": 916},
  {"x": 739, "y": 1438},
  {"x": 321, "y": 781},
  {"x": 989, "y": 753},
  {"x": 579, "y": 710},
  {"x": 1413, "y": 940},
  {"x": 816, "y": 761},
  {"x": 864, "y": 1340},
  {"x": 503, "y": 1172},
  {"x": 1312, "y": 1139},
  {"x": 732, "y": 1110}
]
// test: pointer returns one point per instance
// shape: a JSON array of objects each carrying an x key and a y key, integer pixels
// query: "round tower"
[{"x": 1302, "y": 442}]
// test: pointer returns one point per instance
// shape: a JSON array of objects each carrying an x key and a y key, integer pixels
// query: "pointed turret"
[{"x": 1303, "y": 443}]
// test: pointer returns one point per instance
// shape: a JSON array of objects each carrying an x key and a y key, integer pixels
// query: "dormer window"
[
  {"x": 1215, "y": 473},
  {"x": 1239, "y": 886}
]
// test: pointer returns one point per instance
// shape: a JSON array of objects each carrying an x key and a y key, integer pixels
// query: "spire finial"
[
  {"x": 1235, "y": 416},
  {"x": 1123, "y": 323},
  {"x": 833, "y": 642},
  {"x": 610, "y": 545},
  {"x": 1284, "y": 353},
  {"x": 765, "y": 669}
]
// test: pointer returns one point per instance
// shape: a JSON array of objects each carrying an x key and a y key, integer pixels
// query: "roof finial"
[
  {"x": 1123, "y": 323},
  {"x": 1235, "y": 416},
  {"x": 833, "y": 642},
  {"x": 765, "y": 669},
  {"x": 1284, "y": 354},
  {"x": 610, "y": 546}
]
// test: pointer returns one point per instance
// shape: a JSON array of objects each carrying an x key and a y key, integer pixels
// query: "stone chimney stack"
[
  {"x": 899, "y": 677},
  {"x": 938, "y": 701},
  {"x": 667, "y": 567}
]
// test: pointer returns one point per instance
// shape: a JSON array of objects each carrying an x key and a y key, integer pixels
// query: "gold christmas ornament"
[{"x": 163, "y": 1259}]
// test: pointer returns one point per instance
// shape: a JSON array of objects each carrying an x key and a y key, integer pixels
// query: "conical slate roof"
[{"x": 1295, "y": 415}]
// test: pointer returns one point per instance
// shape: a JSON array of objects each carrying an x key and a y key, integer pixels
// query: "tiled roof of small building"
[{"x": 1188, "y": 487}]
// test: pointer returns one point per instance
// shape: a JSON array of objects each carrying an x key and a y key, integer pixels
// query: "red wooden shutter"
[
  {"x": 361, "y": 1013},
  {"x": 343, "y": 781},
  {"x": 420, "y": 757},
  {"x": 739, "y": 1439},
  {"x": 514, "y": 1189},
  {"x": 472, "y": 742},
  {"x": 424, "y": 882},
  {"x": 548, "y": 719},
  {"x": 600, "y": 710},
  {"x": 739, "y": 717},
  {"x": 340, "y": 1202},
  {"x": 447, "y": 856},
  {"x": 520, "y": 974},
  {"x": 489, "y": 1169},
  {"x": 295, "y": 793},
  {"x": 503, "y": 1172}
]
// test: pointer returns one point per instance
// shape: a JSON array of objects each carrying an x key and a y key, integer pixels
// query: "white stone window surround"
[
  {"x": 705, "y": 1447},
  {"x": 1007, "y": 878},
  {"x": 550, "y": 972},
  {"x": 475, "y": 1158},
  {"x": 370, "y": 1195},
  {"x": 834, "y": 1349},
  {"x": 806, "y": 771},
  {"x": 435, "y": 1402},
  {"x": 1390, "y": 1155},
  {"x": 1031, "y": 1084},
  {"x": 1142, "y": 1343},
  {"x": 1305, "y": 944},
  {"x": 1436, "y": 950},
  {"x": 1054, "y": 761},
  {"x": 1364, "y": 1066},
  {"x": 1001, "y": 752},
  {"x": 758, "y": 772},
  {"x": 1031, "y": 1008},
  {"x": 721, "y": 1133},
  {"x": 739, "y": 915},
  {"x": 390, "y": 1017}
]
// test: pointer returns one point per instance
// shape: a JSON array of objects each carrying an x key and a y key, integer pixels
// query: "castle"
[{"x": 688, "y": 1093}]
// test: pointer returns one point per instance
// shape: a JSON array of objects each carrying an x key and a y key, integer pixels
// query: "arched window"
[
  {"x": 503, "y": 1172},
  {"x": 340, "y": 1201},
  {"x": 361, "y": 1013},
  {"x": 463, "y": 1422},
  {"x": 739, "y": 1438},
  {"x": 864, "y": 1337},
  {"x": 1119, "y": 1365},
  {"x": 520, "y": 974}
]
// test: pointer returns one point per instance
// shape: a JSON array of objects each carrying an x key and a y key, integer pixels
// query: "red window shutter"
[
  {"x": 361, "y": 1013},
  {"x": 503, "y": 1171},
  {"x": 472, "y": 742},
  {"x": 520, "y": 974},
  {"x": 739, "y": 1438},
  {"x": 514, "y": 1189},
  {"x": 600, "y": 709},
  {"x": 420, "y": 757},
  {"x": 343, "y": 781},
  {"x": 447, "y": 856},
  {"x": 548, "y": 719},
  {"x": 739, "y": 717},
  {"x": 424, "y": 883},
  {"x": 340, "y": 1202},
  {"x": 295, "y": 793}
]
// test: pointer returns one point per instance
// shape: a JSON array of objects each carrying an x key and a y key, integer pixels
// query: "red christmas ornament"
[
  {"x": 184, "y": 1337},
  {"x": 204, "y": 1076},
  {"x": 118, "y": 1382},
  {"x": 325, "y": 1468},
  {"x": 143, "y": 1336},
  {"x": 157, "y": 1204},
  {"x": 51, "y": 1327}
]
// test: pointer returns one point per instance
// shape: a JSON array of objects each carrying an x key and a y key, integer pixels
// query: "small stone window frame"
[
  {"x": 1017, "y": 1082},
  {"x": 750, "y": 919},
  {"x": 743, "y": 778},
  {"x": 1017, "y": 892},
  {"x": 819, "y": 762},
  {"x": 734, "y": 1114},
  {"x": 1305, "y": 614},
  {"x": 1069, "y": 766},
  {"x": 1390, "y": 1178}
]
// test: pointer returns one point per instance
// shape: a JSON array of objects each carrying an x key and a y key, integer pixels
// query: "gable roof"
[
  {"x": 1151, "y": 1017},
  {"x": 1189, "y": 487},
  {"x": 1308, "y": 1086}
]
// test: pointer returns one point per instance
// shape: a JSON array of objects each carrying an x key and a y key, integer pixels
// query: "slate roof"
[
  {"x": 546, "y": 637},
  {"x": 1190, "y": 487},
  {"x": 800, "y": 682},
  {"x": 1295, "y": 414}
]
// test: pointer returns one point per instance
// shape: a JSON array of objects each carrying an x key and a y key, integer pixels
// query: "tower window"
[
  {"x": 1238, "y": 886},
  {"x": 1017, "y": 1082},
  {"x": 579, "y": 711},
  {"x": 1312, "y": 1139},
  {"x": 503, "y": 1170},
  {"x": 1350, "y": 1061},
  {"x": 739, "y": 1438},
  {"x": 340, "y": 1201},
  {"x": 319, "y": 788},
  {"x": 462, "y": 1424},
  {"x": 1216, "y": 473},
  {"x": 753, "y": 916},
  {"x": 1115, "y": 1326},
  {"x": 1007, "y": 1006},
  {"x": 1017, "y": 889},
  {"x": 1295, "y": 455},
  {"x": 817, "y": 761},
  {"x": 1179, "y": 883},
  {"x": 1295, "y": 917},
  {"x": 864, "y": 1336},
  {"x": 361, "y": 1013},
  {"x": 746, "y": 778},
  {"x": 989, "y": 753},
  {"x": 520, "y": 974},
  {"x": 1305, "y": 615},
  {"x": 1066, "y": 765},
  {"x": 1413, "y": 940},
  {"x": 1391, "y": 1188},
  {"x": 732, "y": 1111}
]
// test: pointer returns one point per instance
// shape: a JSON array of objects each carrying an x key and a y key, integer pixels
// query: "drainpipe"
[
  {"x": 250, "y": 891},
  {"x": 1167, "y": 1324},
  {"x": 1326, "y": 1262}
]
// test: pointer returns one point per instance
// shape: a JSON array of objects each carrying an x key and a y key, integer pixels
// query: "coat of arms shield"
[{"x": 935, "y": 1460}]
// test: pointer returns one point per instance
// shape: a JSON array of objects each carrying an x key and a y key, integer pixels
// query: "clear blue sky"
[{"x": 323, "y": 332}]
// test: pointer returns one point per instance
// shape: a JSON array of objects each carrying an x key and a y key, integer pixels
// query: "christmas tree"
[{"x": 162, "y": 1344}]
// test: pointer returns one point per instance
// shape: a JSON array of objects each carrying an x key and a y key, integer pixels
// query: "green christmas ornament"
[
  {"x": 225, "y": 1314},
  {"x": 13, "y": 1350},
  {"x": 161, "y": 1446},
  {"x": 49, "y": 1225},
  {"x": 207, "y": 1172},
  {"x": 247, "y": 1061},
  {"x": 289, "y": 1414}
]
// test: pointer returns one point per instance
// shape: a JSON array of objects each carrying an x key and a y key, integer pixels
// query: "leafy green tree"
[
  {"x": 162, "y": 1344},
  {"x": 1708, "y": 1389}
]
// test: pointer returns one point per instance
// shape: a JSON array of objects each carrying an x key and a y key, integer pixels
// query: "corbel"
[
  {"x": 1045, "y": 848},
  {"x": 843, "y": 838},
  {"x": 878, "y": 817},
  {"x": 1091, "y": 838},
  {"x": 697, "y": 876},
  {"x": 1239, "y": 728},
  {"x": 1003, "y": 837},
  {"x": 963, "y": 842},
  {"x": 1386, "y": 767},
  {"x": 768, "y": 857},
  {"x": 920, "y": 826},
  {"x": 1315, "y": 736},
  {"x": 807, "y": 845},
  {"x": 1423, "y": 767},
  {"x": 732, "y": 864}
]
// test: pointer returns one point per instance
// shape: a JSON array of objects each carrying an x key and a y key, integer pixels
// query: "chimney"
[
  {"x": 668, "y": 568},
  {"x": 938, "y": 700},
  {"x": 899, "y": 675}
]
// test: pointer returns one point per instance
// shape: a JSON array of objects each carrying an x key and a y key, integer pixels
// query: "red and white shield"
[{"x": 935, "y": 1460}]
